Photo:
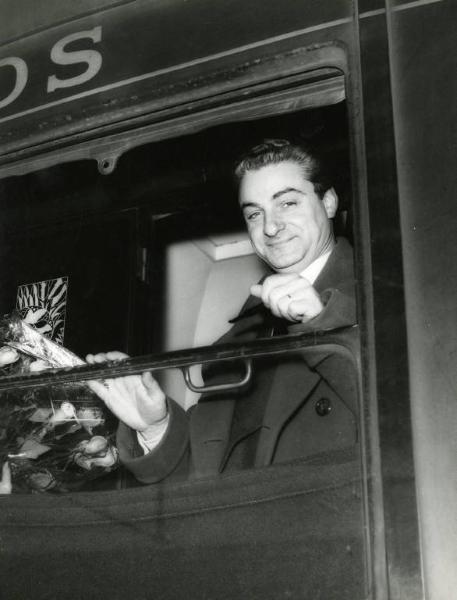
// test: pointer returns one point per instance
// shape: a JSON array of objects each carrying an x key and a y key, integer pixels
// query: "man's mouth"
[{"x": 275, "y": 243}]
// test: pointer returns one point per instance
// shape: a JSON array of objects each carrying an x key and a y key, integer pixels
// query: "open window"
[{"x": 153, "y": 260}]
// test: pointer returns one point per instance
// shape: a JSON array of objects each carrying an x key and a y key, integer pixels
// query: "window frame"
[
  {"x": 212, "y": 100},
  {"x": 210, "y": 106}
]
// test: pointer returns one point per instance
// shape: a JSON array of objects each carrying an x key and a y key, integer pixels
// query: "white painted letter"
[
  {"x": 60, "y": 57},
  {"x": 22, "y": 74}
]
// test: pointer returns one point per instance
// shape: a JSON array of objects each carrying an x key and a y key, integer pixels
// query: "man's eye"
[
  {"x": 289, "y": 203},
  {"x": 252, "y": 216}
]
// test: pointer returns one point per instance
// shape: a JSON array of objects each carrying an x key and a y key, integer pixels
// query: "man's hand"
[
  {"x": 289, "y": 296},
  {"x": 136, "y": 400}
]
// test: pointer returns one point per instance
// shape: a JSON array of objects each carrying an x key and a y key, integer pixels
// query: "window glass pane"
[
  {"x": 156, "y": 259},
  {"x": 56, "y": 439},
  {"x": 272, "y": 475},
  {"x": 252, "y": 413}
]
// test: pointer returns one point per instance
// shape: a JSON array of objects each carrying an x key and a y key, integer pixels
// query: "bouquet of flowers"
[{"x": 58, "y": 438}]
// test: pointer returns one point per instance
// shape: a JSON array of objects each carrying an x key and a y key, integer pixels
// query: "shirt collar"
[{"x": 313, "y": 270}]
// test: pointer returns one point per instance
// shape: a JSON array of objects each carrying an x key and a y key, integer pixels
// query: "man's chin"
[{"x": 286, "y": 266}]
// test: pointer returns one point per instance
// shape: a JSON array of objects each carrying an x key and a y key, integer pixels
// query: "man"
[{"x": 296, "y": 407}]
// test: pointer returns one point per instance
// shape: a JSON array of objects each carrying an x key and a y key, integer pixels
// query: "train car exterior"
[{"x": 94, "y": 82}]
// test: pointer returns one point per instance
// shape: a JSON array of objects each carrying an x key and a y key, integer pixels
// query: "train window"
[{"x": 156, "y": 261}]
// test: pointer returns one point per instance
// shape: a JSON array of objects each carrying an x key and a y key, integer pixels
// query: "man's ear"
[{"x": 330, "y": 202}]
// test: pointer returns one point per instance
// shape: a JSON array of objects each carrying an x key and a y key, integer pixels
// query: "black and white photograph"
[{"x": 228, "y": 364}]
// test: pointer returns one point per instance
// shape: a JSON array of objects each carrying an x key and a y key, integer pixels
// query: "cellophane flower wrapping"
[{"x": 57, "y": 438}]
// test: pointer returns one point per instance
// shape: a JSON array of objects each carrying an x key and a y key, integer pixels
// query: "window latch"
[{"x": 220, "y": 387}]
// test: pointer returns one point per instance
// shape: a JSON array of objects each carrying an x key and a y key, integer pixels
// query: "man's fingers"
[
  {"x": 153, "y": 388},
  {"x": 136, "y": 400},
  {"x": 282, "y": 307},
  {"x": 149, "y": 382},
  {"x": 256, "y": 290},
  {"x": 102, "y": 390},
  {"x": 276, "y": 286},
  {"x": 304, "y": 310},
  {"x": 290, "y": 297},
  {"x": 90, "y": 358},
  {"x": 115, "y": 355},
  {"x": 263, "y": 290},
  {"x": 105, "y": 356},
  {"x": 290, "y": 290}
]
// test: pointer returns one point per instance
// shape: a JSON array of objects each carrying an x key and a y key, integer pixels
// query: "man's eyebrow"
[
  {"x": 248, "y": 205},
  {"x": 286, "y": 191},
  {"x": 276, "y": 195}
]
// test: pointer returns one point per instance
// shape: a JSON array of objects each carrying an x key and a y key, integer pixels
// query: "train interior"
[{"x": 155, "y": 256}]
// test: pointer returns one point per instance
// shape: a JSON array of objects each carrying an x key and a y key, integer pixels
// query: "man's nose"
[{"x": 272, "y": 225}]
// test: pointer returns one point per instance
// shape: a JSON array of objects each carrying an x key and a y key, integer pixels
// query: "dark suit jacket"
[{"x": 298, "y": 405}]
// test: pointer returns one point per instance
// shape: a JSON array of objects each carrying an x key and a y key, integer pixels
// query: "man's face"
[{"x": 287, "y": 222}]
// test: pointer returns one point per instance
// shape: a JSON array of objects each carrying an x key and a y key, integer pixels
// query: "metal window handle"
[{"x": 220, "y": 386}]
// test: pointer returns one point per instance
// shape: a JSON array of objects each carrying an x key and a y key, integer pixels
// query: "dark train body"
[{"x": 113, "y": 115}]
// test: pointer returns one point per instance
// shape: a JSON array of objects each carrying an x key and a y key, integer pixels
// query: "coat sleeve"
[
  {"x": 339, "y": 311},
  {"x": 336, "y": 286},
  {"x": 170, "y": 459}
]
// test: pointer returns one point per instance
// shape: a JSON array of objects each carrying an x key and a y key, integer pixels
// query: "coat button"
[{"x": 323, "y": 407}]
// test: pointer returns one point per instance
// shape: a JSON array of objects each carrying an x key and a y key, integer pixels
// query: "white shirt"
[{"x": 312, "y": 271}]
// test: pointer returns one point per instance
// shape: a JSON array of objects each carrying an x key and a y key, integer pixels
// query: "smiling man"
[
  {"x": 293, "y": 408},
  {"x": 288, "y": 205},
  {"x": 289, "y": 224}
]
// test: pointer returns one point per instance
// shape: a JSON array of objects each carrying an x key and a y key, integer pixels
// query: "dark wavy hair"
[{"x": 274, "y": 151}]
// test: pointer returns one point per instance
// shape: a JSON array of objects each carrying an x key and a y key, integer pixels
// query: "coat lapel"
[
  {"x": 209, "y": 434},
  {"x": 339, "y": 269},
  {"x": 293, "y": 383},
  {"x": 295, "y": 378}
]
